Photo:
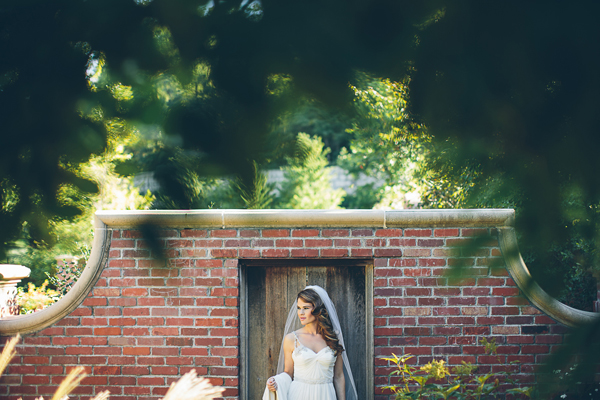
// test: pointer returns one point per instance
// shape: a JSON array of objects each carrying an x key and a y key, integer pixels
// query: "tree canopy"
[{"x": 506, "y": 90}]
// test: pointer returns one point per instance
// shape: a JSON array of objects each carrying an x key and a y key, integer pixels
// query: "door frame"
[{"x": 246, "y": 264}]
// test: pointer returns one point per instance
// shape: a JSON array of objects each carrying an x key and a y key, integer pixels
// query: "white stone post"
[{"x": 10, "y": 275}]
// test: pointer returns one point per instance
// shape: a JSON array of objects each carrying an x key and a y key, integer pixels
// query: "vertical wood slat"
[{"x": 257, "y": 350}]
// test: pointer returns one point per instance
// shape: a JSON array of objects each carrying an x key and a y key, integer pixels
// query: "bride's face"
[{"x": 305, "y": 312}]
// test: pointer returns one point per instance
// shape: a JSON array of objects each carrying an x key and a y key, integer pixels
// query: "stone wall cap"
[
  {"x": 307, "y": 218},
  {"x": 13, "y": 272}
]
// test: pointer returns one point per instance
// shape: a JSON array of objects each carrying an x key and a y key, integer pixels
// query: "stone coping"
[
  {"x": 106, "y": 221},
  {"x": 491, "y": 218}
]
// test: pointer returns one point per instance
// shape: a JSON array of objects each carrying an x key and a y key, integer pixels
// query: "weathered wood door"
[{"x": 270, "y": 288}]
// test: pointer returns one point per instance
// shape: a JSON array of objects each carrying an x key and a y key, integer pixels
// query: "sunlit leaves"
[{"x": 164, "y": 42}]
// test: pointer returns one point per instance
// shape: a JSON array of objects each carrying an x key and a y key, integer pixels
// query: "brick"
[
  {"x": 430, "y": 301},
  {"x": 473, "y": 232},
  {"x": 223, "y": 233},
  {"x": 379, "y": 272},
  {"x": 347, "y": 243},
  {"x": 447, "y": 350},
  {"x": 388, "y": 311},
  {"x": 417, "y": 252},
  {"x": 461, "y": 301},
  {"x": 519, "y": 320},
  {"x": 305, "y": 253},
  {"x": 335, "y": 232},
  {"x": 249, "y": 253},
  {"x": 409, "y": 321},
  {"x": 135, "y": 370},
  {"x": 417, "y": 232},
  {"x": 534, "y": 349},
  {"x": 151, "y": 282},
  {"x": 474, "y": 310},
  {"x": 424, "y": 350},
  {"x": 362, "y": 232},
  {"x": 432, "y": 262},
  {"x": 445, "y": 232},
  {"x": 194, "y": 233},
  {"x": 505, "y": 310},
  {"x": 275, "y": 233},
  {"x": 403, "y": 301},
  {"x": 134, "y": 292},
  {"x": 288, "y": 243},
  {"x": 543, "y": 319},
  {"x": 388, "y": 232},
  {"x": 334, "y": 253},
  {"x": 389, "y": 252},
  {"x": 106, "y": 370},
  {"x": 417, "y": 311},
  {"x": 476, "y": 330},
  {"x": 446, "y": 292},
  {"x": 402, "y": 282},
  {"x": 136, "y": 351},
  {"x": 305, "y": 232},
  {"x": 375, "y": 242},
  {"x": 275, "y": 253},
  {"x": 460, "y": 320},
  {"x": 204, "y": 244},
  {"x": 220, "y": 291},
  {"x": 122, "y": 243},
  {"x": 490, "y": 301},
  {"x": 362, "y": 252},
  {"x": 505, "y": 330},
  {"x": 224, "y": 253},
  {"x": 446, "y": 311},
  {"x": 402, "y": 242},
  {"x": 430, "y": 242},
  {"x": 491, "y": 281},
  {"x": 534, "y": 329},
  {"x": 104, "y": 292},
  {"x": 237, "y": 243}
]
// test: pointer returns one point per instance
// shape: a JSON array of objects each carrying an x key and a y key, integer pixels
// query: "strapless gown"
[{"x": 313, "y": 374}]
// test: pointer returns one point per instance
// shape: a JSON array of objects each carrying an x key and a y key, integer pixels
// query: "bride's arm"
[
  {"x": 288, "y": 349},
  {"x": 339, "y": 382}
]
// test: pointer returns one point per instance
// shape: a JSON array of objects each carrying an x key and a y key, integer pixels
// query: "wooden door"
[{"x": 270, "y": 290}]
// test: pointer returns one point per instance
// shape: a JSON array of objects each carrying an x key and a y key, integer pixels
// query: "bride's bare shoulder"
[{"x": 288, "y": 341}]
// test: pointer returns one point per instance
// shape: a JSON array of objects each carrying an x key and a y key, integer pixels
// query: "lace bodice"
[{"x": 311, "y": 367}]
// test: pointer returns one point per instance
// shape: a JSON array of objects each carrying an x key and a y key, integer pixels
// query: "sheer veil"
[{"x": 335, "y": 321}]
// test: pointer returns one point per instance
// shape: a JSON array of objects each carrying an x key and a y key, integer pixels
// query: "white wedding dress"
[{"x": 313, "y": 373}]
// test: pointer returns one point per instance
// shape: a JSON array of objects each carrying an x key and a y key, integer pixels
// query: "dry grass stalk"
[
  {"x": 189, "y": 387},
  {"x": 8, "y": 353},
  {"x": 192, "y": 387},
  {"x": 102, "y": 395},
  {"x": 70, "y": 382}
]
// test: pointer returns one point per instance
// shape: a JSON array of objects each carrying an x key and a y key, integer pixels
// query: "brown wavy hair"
[{"x": 324, "y": 326}]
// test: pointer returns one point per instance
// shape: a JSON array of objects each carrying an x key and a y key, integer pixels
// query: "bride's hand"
[{"x": 271, "y": 384}]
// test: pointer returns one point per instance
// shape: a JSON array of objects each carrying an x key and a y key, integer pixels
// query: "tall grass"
[{"x": 189, "y": 387}]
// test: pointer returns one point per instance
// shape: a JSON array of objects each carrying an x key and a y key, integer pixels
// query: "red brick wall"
[{"x": 147, "y": 322}]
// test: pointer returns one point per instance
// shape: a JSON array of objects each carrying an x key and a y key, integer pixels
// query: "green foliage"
[
  {"x": 386, "y": 143},
  {"x": 307, "y": 180},
  {"x": 36, "y": 298},
  {"x": 256, "y": 195},
  {"x": 66, "y": 276},
  {"x": 434, "y": 380}
]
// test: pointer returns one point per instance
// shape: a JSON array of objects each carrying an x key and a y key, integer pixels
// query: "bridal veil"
[{"x": 335, "y": 321}]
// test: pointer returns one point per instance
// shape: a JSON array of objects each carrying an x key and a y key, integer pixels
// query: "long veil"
[{"x": 335, "y": 321}]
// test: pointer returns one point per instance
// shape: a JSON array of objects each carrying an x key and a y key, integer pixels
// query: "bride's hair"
[{"x": 324, "y": 326}]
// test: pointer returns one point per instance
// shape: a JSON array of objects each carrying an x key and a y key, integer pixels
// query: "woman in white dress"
[{"x": 313, "y": 356}]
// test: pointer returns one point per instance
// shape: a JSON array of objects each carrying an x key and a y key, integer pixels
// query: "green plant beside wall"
[{"x": 435, "y": 380}]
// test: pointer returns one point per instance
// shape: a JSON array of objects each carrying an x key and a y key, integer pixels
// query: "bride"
[{"x": 313, "y": 356}]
